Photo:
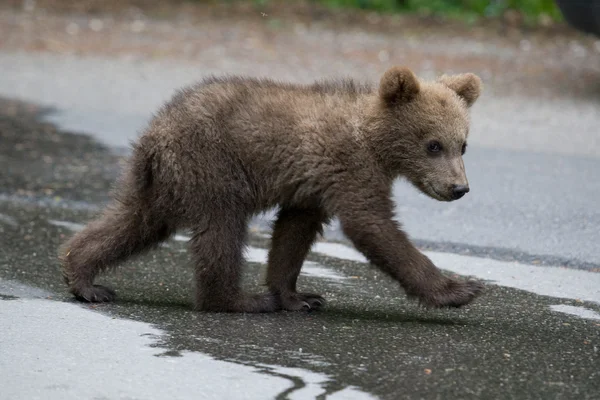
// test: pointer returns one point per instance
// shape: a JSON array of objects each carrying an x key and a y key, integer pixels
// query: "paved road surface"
[{"x": 530, "y": 226}]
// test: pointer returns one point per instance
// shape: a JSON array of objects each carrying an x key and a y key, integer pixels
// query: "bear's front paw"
[{"x": 452, "y": 293}]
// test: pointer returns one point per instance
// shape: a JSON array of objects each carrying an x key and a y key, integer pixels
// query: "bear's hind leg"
[
  {"x": 119, "y": 234},
  {"x": 294, "y": 233}
]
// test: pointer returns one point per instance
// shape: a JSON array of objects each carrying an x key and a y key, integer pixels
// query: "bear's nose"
[{"x": 459, "y": 191}]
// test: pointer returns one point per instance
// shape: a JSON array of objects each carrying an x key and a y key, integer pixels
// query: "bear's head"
[{"x": 419, "y": 129}]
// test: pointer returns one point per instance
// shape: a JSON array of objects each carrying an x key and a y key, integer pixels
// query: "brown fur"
[{"x": 227, "y": 148}]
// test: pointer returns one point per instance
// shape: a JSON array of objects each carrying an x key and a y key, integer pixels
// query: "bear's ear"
[
  {"x": 467, "y": 86},
  {"x": 398, "y": 84}
]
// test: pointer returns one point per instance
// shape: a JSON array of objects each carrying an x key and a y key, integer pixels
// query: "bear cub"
[{"x": 227, "y": 148}]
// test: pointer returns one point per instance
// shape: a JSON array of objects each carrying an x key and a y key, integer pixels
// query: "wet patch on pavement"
[{"x": 40, "y": 162}]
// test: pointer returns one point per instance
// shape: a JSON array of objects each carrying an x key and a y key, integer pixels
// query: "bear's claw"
[{"x": 301, "y": 302}]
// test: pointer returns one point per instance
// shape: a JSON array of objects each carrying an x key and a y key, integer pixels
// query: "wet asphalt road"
[
  {"x": 534, "y": 208},
  {"x": 509, "y": 344}
]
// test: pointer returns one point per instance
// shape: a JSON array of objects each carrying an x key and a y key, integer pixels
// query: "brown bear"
[{"x": 227, "y": 148}]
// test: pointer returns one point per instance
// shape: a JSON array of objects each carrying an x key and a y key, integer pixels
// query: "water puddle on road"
[
  {"x": 83, "y": 356},
  {"x": 581, "y": 312}
]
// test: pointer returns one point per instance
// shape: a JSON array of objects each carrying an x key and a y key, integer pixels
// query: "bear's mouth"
[{"x": 432, "y": 192}]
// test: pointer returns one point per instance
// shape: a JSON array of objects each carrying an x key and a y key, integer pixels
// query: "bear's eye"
[
  {"x": 434, "y": 146},
  {"x": 464, "y": 149}
]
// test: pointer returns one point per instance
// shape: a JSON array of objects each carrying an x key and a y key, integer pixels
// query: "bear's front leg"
[{"x": 367, "y": 221}]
